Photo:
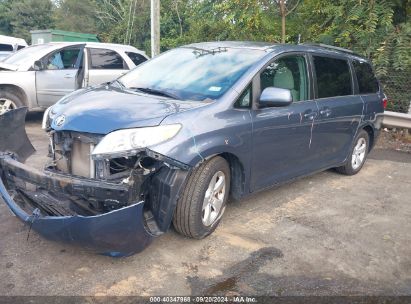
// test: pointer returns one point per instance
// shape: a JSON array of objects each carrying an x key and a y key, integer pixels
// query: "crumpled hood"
[
  {"x": 8, "y": 67},
  {"x": 103, "y": 109}
]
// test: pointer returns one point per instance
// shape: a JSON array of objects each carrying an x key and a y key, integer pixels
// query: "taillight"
[{"x": 385, "y": 102}]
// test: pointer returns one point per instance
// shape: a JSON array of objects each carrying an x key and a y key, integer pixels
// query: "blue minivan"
[{"x": 170, "y": 141}]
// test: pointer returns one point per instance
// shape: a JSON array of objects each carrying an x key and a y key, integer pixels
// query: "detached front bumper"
[{"x": 121, "y": 232}]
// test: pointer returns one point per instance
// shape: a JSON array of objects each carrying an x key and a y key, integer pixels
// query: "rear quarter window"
[
  {"x": 6, "y": 47},
  {"x": 333, "y": 77},
  {"x": 136, "y": 58},
  {"x": 367, "y": 82},
  {"x": 102, "y": 59}
]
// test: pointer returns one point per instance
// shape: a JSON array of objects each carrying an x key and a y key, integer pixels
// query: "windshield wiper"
[{"x": 156, "y": 92}]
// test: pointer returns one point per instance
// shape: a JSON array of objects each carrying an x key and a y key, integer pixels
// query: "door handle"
[
  {"x": 310, "y": 115},
  {"x": 325, "y": 112},
  {"x": 68, "y": 76}
]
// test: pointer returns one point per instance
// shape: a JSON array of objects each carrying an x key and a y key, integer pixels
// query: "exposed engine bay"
[{"x": 146, "y": 174}]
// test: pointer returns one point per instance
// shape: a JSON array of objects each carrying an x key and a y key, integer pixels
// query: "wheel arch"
[
  {"x": 237, "y": 171},
  {"x": 371, "y": 135},
  {"x": 14, "y": 89}
]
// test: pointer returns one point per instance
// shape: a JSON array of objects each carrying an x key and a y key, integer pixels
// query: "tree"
[
  {"x": 27, "y": 15},
  {"x": 76, "y": 16},
  {"x": 207, "y": 20},
  {"x": 392, "y": 61},
  {"x": 5, "y": 18},
  {"x": 124, "y": 21},
  {"x": 402, "y": 11},
  {"x": 286, "y": 7},
  {"x": 375, "y": 29}
]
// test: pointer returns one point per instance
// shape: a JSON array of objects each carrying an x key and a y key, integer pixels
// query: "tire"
[
  {"x": 194, "y": 216},
  {"x": 9, "y": 101},
  {"x": 358, "y": 155}
]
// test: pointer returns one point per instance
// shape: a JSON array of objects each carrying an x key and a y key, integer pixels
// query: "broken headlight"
[{"x": 129, "y": 140}]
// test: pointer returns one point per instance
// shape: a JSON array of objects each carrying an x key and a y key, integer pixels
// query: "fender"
[{"x": 23, "y": 81}]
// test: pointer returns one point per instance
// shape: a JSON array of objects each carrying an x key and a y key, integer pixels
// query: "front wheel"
[
  {"x": 202, "y": 204},
  {"x": 357, "y": 156},
  {"x": 9, "y": 101}
]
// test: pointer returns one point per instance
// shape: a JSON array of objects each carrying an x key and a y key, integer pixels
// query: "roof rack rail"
[{"x": 330, "y": 47}]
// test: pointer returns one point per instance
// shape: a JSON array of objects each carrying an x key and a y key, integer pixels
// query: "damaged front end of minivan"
[{"x": 113, "y": 204}]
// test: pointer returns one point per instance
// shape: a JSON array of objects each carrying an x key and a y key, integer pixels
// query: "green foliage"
[
  {"x": 124, "y": 21},
  {"x": 208, "y": 20},
  {"x": 370, "y": 28},
  {"x": 352, "y": 24},
  {"x": 5, "y": 18},
  {"x": 392, "y": 61},
  {"x": 76, "y": 16},
  {"x": 377, "y": 29},
  {"x": 394, "y": 52},
  {"x": 26, "y": 15}
]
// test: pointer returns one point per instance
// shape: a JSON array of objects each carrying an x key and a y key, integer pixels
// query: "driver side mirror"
[
  {"x": 275, "y": 97},
  {"x": 38, "y": 65}
]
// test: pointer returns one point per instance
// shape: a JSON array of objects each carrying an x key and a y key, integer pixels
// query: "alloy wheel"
[
  {"x": 6, "y": 105},
  {"x": 358, "y": 155},
  {"x": 214, "y": 199}
]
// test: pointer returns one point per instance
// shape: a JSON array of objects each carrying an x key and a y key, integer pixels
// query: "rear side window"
[
  {"x": 136, "y": 58},
  {"x": 6, "y": 47},
  {"x": 102, "y": 59},
  {"x": 333, "y": 77},
  {"x": 367, "y": 83}
]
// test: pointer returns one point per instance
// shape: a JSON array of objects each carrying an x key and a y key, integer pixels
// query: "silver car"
[{"x": 39, "y": 75}]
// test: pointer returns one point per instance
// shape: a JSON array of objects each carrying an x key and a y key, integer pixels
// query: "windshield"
[
  {"x": 191, "y": 73},
  {"x": 25, "y": 54}
]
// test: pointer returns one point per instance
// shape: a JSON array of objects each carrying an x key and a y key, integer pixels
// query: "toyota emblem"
[{"x": 59, "y": 121}]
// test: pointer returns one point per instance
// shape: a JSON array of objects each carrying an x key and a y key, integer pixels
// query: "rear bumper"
[{"x": 121, "y": 232}]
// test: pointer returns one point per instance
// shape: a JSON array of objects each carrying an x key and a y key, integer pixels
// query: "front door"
[
  {"x": 282, "y": 137},
  {"x": 59, "y": 75}
]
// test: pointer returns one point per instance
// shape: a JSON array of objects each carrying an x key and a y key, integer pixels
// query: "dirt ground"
[
  {"x": 327, "y": 234},
  {"x": 395, "y": 139}
]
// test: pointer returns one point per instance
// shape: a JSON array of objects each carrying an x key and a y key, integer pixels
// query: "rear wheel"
[
  {"x": 203, "y": 201},
  {"x": 358, "y": 155},
  {"x": 9, "y": 101}
]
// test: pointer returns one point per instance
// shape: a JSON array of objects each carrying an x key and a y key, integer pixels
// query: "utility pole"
[{"x": 155, "y": 27}]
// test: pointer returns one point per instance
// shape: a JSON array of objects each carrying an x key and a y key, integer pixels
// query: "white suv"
[
  {"x": 39, "y": 75},
  {"x": 9, "y": 45}
]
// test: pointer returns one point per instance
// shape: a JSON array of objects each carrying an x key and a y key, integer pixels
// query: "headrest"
[{"x": 284, "y": 79}]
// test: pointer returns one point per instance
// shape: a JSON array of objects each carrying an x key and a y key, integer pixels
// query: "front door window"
[
  {"x": 63, "y": 60},
  {"x": 287, "y": 73}
]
